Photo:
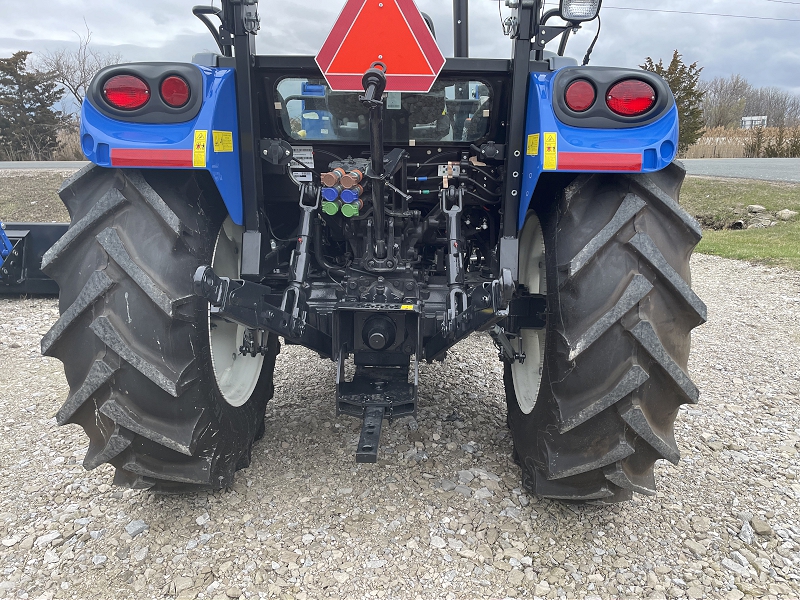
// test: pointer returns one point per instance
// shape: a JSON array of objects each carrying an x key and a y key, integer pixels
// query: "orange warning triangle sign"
[{"x": 392, "y": 32}]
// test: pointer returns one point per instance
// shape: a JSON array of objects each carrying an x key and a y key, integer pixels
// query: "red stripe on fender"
[
  {"x": 148, "y": 157},
  {"x": 599, "y": 161}
]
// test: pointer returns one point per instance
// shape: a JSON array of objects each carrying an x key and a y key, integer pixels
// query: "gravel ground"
[{"x": 441, "y": 515}]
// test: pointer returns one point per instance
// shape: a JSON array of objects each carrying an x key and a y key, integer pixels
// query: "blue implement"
[{"x": 5, "y": 244}]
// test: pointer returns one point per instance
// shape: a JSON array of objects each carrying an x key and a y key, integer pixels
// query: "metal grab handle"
[
  {"x": 202, "y": 12},
  {"x": 205, "y": 10}
]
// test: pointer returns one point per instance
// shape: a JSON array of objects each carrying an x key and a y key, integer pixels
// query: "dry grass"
[
  {"x": 69, "y": 145},
  {"x": 729, "y": 143}
]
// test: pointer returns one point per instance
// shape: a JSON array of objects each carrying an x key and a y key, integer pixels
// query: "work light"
[{"x": 579, "y": 10}]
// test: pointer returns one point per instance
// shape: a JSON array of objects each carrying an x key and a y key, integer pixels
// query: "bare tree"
[
  {"x": 782, "y": 108},
  {"x": 728, "y": 99},
  {"x": 724, "y": 101},
  {"x": 74, "y": 69}
]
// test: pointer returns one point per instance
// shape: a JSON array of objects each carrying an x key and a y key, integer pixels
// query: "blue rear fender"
[
  {"x": 554, "y": 146},
  {"x": 209, "y": 141}
]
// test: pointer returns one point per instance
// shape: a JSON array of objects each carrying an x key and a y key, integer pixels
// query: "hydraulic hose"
[{"x": 319, "y": 255}]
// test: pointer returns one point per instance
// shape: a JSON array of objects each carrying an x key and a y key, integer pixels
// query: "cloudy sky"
[{"x": 766, "y": 52}]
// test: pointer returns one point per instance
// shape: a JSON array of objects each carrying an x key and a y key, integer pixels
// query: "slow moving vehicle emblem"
[{"x": 391, "y": 32}]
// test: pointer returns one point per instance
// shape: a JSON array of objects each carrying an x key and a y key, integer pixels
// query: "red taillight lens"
[
  {"x": 631, "y": 98},
  {"x": 126, "y": 92},
  {"x": 175, "y": 91},
  {"x": 580, "y": 95}
]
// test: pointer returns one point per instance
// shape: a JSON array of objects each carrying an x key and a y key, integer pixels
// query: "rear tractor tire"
[
  {"x": 616, "y": 348},
  {"x": 155, "y": 379}
]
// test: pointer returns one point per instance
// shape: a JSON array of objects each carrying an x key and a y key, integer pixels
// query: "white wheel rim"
[
  {"x": 528, "y": 375},
  {"x": 236, "y": 375}
]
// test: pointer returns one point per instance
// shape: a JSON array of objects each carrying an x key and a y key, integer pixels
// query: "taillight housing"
[
  {"x": 631, "y": 98},
  {"x": 175, "y": 91},
  {"x": 580, "y": 95},
  {"x": 126, "y": 92}
]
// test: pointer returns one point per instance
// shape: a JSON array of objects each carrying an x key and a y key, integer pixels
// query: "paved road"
[
  {"x": 768, "y": 169},
  {"x": 56, "y": 165}
]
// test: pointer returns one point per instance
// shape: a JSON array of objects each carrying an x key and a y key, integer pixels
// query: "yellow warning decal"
[
  {"x": 407, "y": 307},
  {"x": 199, "y": 154},
  {"x": 533, "y": 144},
  {"x": 223, "y": 141},
  {"x": 550, "y": 151}
]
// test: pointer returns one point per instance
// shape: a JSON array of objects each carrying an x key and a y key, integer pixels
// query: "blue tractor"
[{"x": 239, "y": 199}]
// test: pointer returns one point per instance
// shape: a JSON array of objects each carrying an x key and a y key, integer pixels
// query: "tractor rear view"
[{"x": 377, "y": 205}]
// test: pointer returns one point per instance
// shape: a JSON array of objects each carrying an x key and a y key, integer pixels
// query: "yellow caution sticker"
[
  {"x": 200, "y": 142},
  {"x": 223, "y": 141},
  {"x": 407, "y": 307},
  {"x": 550, "y": 151},
  {"x": 533, "y": 144}
]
